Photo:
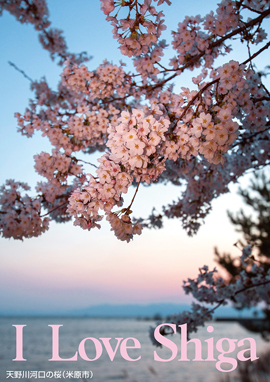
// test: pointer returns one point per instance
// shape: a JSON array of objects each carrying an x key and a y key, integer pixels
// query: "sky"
[{"x": 68, "y": 268}]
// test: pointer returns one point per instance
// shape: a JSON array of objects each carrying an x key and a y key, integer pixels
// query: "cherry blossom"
[{"x": 201, "y": 138}]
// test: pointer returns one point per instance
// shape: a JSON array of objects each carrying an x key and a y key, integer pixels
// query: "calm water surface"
[{"x": 37, "y": 350}]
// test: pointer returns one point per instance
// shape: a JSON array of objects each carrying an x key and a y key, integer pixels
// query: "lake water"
[{"x": 37, "y": 350}]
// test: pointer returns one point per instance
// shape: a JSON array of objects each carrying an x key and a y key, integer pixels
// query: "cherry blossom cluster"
[
  {"x": 251, "y": 288},
  {"x": 20, "y": 215},
  {"x": 74, "y": 121},
  {"x": 211, "y": 130},
  {"x": 51, "y": 191},
  {"x": 189, "y": 41},
  {"x": 136, "y": 32},
  {"x": 53, "y": 41},
  {"x": 28, "y": 11},
  {"x": 122, "y": 226},
  {"x": 106, "y": 81},
  {"x": 136, "y": 146},
  {"x": 56, "y": 166},
  {"x": 103, "y": 193},
  {"x": 146, "y": 64},
  {"x": 137, "y": 143},
  {"x": 199, "y": 40},
  {"x": 85, "y": 204}
]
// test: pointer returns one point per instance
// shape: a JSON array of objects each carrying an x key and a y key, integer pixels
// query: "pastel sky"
[{"x": 68, "y": 268}]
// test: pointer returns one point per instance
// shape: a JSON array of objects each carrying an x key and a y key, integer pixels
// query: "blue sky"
[{"x": 67, "y": 267}]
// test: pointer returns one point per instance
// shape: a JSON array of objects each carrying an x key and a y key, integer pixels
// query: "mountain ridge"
[{"x": 126, "y": 311}]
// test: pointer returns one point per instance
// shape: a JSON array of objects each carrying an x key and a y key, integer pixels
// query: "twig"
[
  {"x": 197, "y": 95},
  {"x": 91, "y": 164},
  {"x": 20, "y": 70},
  {"x": 257, "y": 53},
  {"x": 134, "y": 195},
  {"x": 56, "y": 208}
]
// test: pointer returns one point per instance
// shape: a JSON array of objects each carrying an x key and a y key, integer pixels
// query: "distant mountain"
[
  {"x": 129, "y": 311},
  {"x": 150, "y": 310}
]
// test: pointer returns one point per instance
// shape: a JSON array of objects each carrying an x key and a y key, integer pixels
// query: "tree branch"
[{"x": 20, "y": 70}]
